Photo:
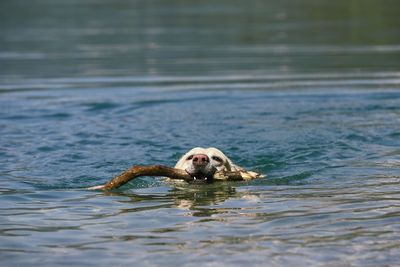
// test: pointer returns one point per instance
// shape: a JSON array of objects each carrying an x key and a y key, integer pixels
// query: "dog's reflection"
[{"x": 197, "y": 199}]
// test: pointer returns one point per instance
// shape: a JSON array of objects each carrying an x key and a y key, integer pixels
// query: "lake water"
[{"x": 306, "y": 92}]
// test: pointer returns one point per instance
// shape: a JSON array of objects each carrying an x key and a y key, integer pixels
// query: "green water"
[{"x": 306, "y": 92}]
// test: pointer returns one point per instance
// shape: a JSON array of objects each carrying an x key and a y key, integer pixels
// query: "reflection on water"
[
  {"x": 184, "y": 197},
  {"x": 304, "y": 91}
]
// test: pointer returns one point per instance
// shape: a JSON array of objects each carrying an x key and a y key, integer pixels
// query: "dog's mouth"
[{"x": 201, "y": 177}]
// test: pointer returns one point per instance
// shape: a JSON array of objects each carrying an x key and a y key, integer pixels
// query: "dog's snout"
[{"x": 200, "y": 159}]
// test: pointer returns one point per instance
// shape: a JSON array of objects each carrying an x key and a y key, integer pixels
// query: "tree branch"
[{"x": 158, "y": 170}]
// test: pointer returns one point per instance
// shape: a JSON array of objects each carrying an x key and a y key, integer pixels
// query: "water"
[{"x": 306, "y": 92}]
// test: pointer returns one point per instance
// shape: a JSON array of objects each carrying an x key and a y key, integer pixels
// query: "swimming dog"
[{"x": 207, "y": 163}]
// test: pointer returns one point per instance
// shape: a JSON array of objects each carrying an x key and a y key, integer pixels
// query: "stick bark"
[{"x": 159, "y": 170}]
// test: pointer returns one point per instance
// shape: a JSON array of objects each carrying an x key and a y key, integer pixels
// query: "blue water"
[{"x": 88, "y": 89}]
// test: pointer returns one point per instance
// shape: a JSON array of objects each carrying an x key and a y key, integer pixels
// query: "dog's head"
[{"x": 203, "y": 163}]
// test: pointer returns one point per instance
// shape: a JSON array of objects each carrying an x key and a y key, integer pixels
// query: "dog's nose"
[{"x": 200, "y": 159}]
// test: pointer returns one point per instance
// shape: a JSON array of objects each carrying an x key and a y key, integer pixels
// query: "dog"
[{"x": 206, "y": 164}]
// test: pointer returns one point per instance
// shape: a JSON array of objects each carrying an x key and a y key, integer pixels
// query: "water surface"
[{"x": 306, "y": 92}]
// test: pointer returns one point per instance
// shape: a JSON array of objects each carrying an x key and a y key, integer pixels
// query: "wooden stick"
[{"x": 158, "y": 170}]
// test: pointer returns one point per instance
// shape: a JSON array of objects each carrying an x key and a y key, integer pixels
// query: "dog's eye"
[
  {"x": 190, "y": 157},
  {"x": 217, "y": 158}
]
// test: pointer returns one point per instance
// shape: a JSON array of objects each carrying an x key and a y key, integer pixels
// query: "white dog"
[{"x": 206, "y": 163}]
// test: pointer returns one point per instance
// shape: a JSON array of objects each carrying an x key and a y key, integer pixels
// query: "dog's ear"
[
  {"x": 232, "y": 166},
  {"x": 229, "y": 166}
]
